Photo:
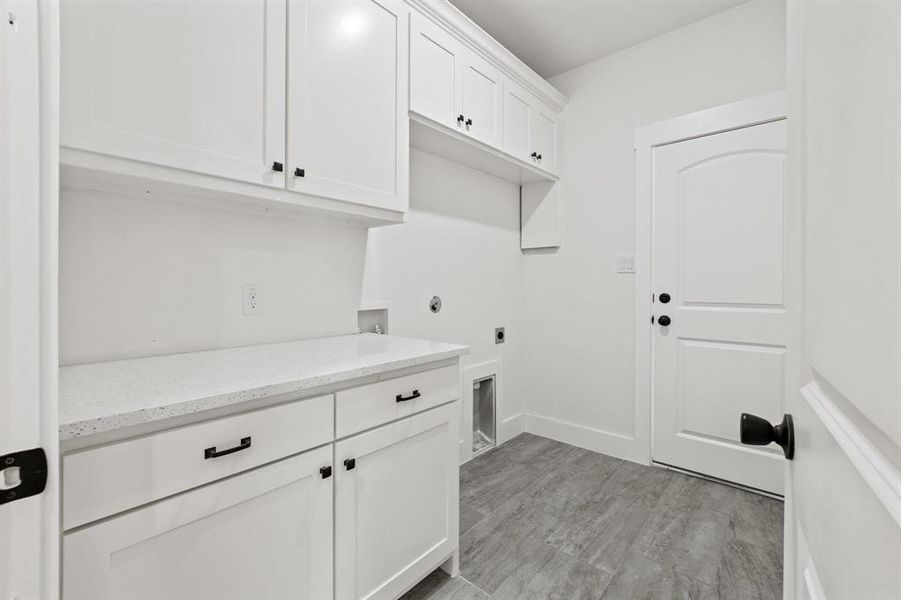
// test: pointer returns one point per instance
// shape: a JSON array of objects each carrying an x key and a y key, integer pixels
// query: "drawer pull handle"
[
  {"x": 211, "y": 452},
  {"x": 350, "y": 463},
  {"x": 413, "y": 396}
]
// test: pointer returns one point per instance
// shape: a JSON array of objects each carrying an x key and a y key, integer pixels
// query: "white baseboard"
[
  {"x": 597, "y": 440},
  {"x": 511, "y": 427}
]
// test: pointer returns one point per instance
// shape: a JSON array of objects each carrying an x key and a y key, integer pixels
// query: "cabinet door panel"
[
  {"x": 197, "y": 86},
  {"x": 263, "y": 534},
  {"x": 517, "y": 122},
  {"x": 396, "y": 512},
  {"x": 544, "y": 137},
  {"x": 347, "y": 107},
  {"x": 481, "y": 97},
  {"x": 435, "y": 67}
]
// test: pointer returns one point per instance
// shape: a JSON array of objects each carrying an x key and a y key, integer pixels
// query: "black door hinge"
[{"x": 32, "y": 475}]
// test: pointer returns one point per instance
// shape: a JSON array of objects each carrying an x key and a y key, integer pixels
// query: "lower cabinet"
[
  {"x": 396, "y": 504},
  {"x": 266, "y": 533}
]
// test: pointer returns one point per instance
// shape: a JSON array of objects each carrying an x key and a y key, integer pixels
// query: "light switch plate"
[{"x": 625, "y": 264}]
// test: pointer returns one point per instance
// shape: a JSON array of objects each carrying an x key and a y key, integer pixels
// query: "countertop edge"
[{"x": 152, "y": 414}]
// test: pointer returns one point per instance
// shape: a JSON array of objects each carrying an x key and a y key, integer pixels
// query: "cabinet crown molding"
[{"x": 479, "y": 41}]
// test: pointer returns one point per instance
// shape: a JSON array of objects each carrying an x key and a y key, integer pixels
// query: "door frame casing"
[{"x": 757, "y": 110}]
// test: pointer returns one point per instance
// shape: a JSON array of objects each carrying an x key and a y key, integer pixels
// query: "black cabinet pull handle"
[
  {"x": 664, "y": 298},
  {"x": 350, "y": 463},
  {"x": 298, "y": 172},
  {"x": 539, "y": 157},
  {"x": 757, "y": 431},
  {"x": 534, "y": 155},
  {"x": 664, "y": 320},
  {"x": 402, "y": 398},
  {"x": 326, "y": 472},
  {"x": 211, "y": 451},
  {"x": 278, "y": 167},
  {"x": 468, "y": 122},
  {"x": 460, "y": 119}
]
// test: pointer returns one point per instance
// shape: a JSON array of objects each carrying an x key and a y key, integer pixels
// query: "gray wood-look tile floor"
[{"x": 541, "y": 519}]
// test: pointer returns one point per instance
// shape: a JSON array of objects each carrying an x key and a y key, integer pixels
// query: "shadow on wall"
[{"x": 440, "y": 186}]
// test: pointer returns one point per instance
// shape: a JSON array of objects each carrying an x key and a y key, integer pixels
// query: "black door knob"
[
  {"x": 664, "y": 298},
  {"x": 757, "y": 431},
  {"x": 664, "y": 320}
]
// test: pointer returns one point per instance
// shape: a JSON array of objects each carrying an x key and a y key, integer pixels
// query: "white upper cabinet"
[
  {"x": 435, "y": 68},
  {"x": 518, "y": 106},
  {"x": 481, "y": 100},
  {"x": 544, "y": 125},
  {"x": 348, "y": 130},
  {"x": 198, "y": 86}
]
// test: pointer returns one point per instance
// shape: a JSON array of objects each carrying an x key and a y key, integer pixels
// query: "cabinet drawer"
[
  {"x": 371, "y": 405},
  {"x": 101, "y": 481}
]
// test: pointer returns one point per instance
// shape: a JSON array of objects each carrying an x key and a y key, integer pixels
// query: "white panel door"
[
  {"x": 843, "y": 523},
  {"x": 29, "y": 151},
  {"x": 544, "y": 137},
  {"x": 435, "y": 71},
  {"x": 348, "y": 129},
  {"x": 518, "y": 106},
  {"x": 198, "y": 86},
  {"x": 481, "y": 101},
  {"x": 396, "y": 514},
  {"x": 719, "y": 240},
  {"x": 263, "y": 534}
]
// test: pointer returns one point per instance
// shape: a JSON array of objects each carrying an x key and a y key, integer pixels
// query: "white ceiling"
[{"x": 554, "y": 36}]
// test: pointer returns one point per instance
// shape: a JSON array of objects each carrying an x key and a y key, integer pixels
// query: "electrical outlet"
[{"x": 253, "y": 300}]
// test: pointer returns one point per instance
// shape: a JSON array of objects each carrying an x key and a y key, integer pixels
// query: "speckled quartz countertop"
[{"x": 102, "y": 397}]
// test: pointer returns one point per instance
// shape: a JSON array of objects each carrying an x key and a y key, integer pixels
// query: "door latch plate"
[{"x": 32, "y": 465}]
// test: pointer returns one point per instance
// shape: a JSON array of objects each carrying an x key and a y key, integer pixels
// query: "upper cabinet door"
[
  {"x": 435, "y": 70},
  {"x": 482, "y": 100},
  {"x": 518, "y": 106},
  {"x": 348, "y": 130},
  {"x": 544, "y": 137},
  {"x": 197, "y": 86}
]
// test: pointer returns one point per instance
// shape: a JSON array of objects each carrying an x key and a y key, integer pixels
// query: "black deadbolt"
[
  {"x": 664, "y": 298},
  {"x": 664, "y": 320},
  {"x": 757, "y": 431}
]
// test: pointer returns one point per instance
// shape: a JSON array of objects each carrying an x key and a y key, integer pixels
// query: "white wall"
[
  {"x": 142, "y": 277},
  {"x": 461, "y": 242},
  {"x": 579, "y": 311}
]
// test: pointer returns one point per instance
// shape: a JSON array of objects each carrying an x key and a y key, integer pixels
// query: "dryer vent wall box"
[{"x": 484, "y": 430}]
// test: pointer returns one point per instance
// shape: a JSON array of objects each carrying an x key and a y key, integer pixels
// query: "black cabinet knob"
[
  {"x": 460, "y": 119},
  {"x": 664, "y": 320},
  {"x": 534, "y": 155},
  {"x": 468, "y": 122},
  {"x": 350, "y": 463},
  {"x": 664, "y": 298},
  {"x": 298, "y": 172},
  {"x": 539, "y": 157},
  {"x": 757, "y": 431},
  {"x": 326, "y": 472},
  {"x": 278, "y": 167}
]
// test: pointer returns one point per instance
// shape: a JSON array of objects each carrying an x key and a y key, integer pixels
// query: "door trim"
[{"x": 744, "y": 113}]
